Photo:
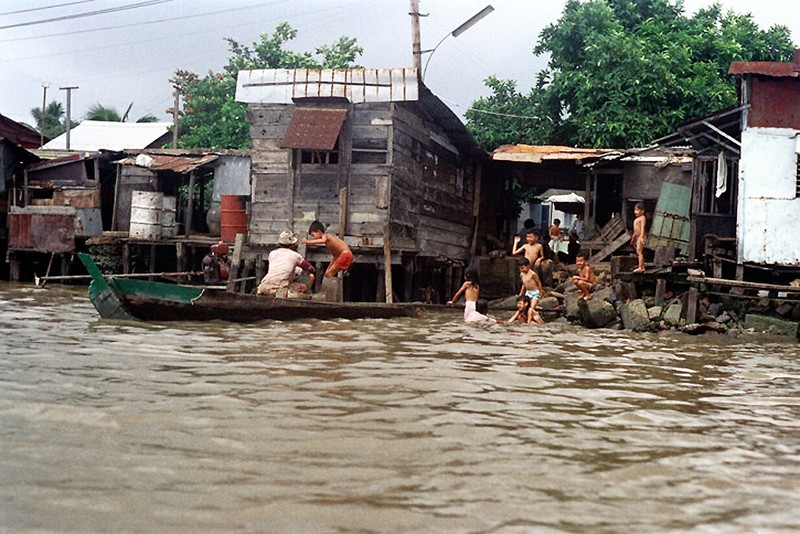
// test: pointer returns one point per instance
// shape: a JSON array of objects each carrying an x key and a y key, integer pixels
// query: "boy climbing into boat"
[
  {"x": 342, "y": 255},
  {"x": 584, "y": 279},
  {"x": 471, "y": 289},
  {"x": 531, "y": 287}
]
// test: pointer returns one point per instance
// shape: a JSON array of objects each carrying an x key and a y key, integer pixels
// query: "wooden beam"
[
  {"x": 190, "y": 205},
  {"x": 387, "y": 262},
  {"x": 739, "y": 283}
]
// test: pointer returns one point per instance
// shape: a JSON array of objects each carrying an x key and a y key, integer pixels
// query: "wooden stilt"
[
  {"x": 387, "y": 265},
  {"x": 236, "y": 259},
  {"x": 691, "y": 306},
  {"x": 661, "y": 289},
  {"x": 152, "y": 266},
  {"x": 49, "y": 265}
]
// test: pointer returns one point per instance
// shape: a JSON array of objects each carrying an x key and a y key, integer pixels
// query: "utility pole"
[
  {"x": 416, "y": 48},
  {"x": 45, "y": 85},
  {"x": 177, "y": 95},
  {"x": 69, "y": 109}
]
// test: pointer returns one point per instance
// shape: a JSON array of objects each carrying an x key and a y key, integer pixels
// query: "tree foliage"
[
  {"x": 212, "y": 118},
  {"x": 624, "y": 72},
  {"x": 52, "y": 123},
  {"x": 98, "y": 112}
]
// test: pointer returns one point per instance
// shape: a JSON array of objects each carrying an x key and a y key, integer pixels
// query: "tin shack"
[{"x": 375, "y": 156}]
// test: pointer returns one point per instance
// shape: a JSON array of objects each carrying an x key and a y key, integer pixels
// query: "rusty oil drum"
[{"x": 233, "y": 219}]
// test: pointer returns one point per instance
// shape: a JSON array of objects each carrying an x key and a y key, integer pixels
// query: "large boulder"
[
  {"x": 672, "y": 315},
  {"x": 596, "y": 313},
  {"x": 571, "y": 307},
  {"x": 634, "y": 315},
  {"x": 604, "y": 293},
  {"x": 548, "y": 303}
]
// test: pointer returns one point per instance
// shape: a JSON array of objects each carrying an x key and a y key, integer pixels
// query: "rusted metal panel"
[
  {"x": 88, "y": 222},
  {"x": 77, "y": 198},
  {"x": 764, "y": 68},
  {"x": 314, "y": 128},
  {"x": 282, "y": 86},
  {"x": 42, "y": 230},
  {"x": 775, "y": 103}
]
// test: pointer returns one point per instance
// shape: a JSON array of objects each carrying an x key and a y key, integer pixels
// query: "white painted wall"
[{"x": 768, "y": 209}]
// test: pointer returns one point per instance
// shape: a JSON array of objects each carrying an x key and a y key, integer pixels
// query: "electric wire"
[
  {"x": 125, "y": 7},
  {"x": 30, "y": 9}
]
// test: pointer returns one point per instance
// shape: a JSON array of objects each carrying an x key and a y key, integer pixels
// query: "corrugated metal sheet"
[
  {"x": 42, "y": 229},
  {"x": 671, "y": 225},
  {"x": 282, "y": 86},
  {"x": 314, "y": 128},
  {"x": 97, "y": 135},
  {"x": 159, "y": 162},
  {"x": 764, "y": 68},
  {"x": 19, "y": 134}
]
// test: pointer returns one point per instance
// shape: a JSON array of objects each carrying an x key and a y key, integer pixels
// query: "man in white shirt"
[{"x": 284, "y": 265}]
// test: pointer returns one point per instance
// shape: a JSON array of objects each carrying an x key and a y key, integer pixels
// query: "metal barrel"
[
  {"x": 146, "y": 209},
  {"x": 233, "y": 216}
]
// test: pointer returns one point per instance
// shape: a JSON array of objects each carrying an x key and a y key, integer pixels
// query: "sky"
[{"x": 127, "y": 54}]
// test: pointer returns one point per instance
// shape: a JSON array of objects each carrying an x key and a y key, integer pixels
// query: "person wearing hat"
[{"x": 285, "y": 264}]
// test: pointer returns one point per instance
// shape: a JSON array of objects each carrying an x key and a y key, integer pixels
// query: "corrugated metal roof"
[
  {"x": 282, "y": 86},
  {"x": 179, "y": 164},
  {"x": 97, "y": 135},
  {"x": 540, "y": 153},
  {"x": 314, "y": 128},
  {"x": 19, "y": 133},
  {"x": 765, "y": 68}
]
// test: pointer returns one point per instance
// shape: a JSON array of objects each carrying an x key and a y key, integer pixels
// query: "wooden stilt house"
[{"x": 373, "y": 154}]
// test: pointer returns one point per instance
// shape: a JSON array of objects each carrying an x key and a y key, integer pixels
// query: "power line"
[
  {"x": 131, "y": 25},
  {"x": 45, "y": 7},
  {"x": 125, "y": 7}
]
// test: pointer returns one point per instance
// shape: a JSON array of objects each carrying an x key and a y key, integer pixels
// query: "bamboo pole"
[{"x": 39, "y": 280}]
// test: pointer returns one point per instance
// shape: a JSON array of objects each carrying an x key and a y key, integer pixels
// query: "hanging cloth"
[{"x": 722, "y": 175}]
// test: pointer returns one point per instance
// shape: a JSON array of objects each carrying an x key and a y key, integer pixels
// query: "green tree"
[
  {"x": 212, "y": 118},
  {"x": 99, "y": 112},
  {"x": 52, "y": 124},
  {"x": 624, "y": 72}
]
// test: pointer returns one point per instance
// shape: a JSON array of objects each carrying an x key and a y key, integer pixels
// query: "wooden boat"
[{"x": 131, "y": 299}]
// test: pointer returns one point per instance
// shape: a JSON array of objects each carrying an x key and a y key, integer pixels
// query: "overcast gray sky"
[{"x": 128, "y": 55}]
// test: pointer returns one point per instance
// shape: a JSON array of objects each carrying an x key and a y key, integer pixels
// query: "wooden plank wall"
[
  {"x": 432, "y": 187},
  {"x": 270, "y": 207},
  {"x": 399, "y": 170}
]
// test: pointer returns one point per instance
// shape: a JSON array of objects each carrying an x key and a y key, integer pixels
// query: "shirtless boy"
[
  {"x": 342, "y": 255},
  {"x": 471, "y": 289},
  {"x": 639, "y": 237},
  {"x": 585, "y": 279},
  {"x": 531, "y": 286},
  {"x": 533, "y": 249}
]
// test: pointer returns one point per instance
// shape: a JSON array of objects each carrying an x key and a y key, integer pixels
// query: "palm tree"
[
  {"x": 99, "y": 112},
  {"x": 51, "y": 125}
]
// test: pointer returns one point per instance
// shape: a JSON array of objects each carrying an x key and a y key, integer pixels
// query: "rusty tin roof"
[{"x": 314, "y": 128}]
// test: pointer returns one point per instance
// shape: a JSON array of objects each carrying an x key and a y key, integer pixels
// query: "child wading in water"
[
  {"x": 524, "y": 313},
  {"x": 531, "y": 286},
  {"x": 471, "y": 289},
  {"x": 480, "y": 314}
]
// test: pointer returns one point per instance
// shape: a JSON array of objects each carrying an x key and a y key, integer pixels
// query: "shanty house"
[
  {"x": 769, "y": 167},
  {"x": 373, "y": 154}
]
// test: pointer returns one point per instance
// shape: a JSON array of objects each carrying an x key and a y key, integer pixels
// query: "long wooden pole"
[
  {"x": 416, "y": 48},
  {"x": 387, "y": 263},
  {"x": 39, "y": 280}
]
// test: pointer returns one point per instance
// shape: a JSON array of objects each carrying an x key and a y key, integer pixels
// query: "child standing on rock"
[{"x": 531, "y": 286}]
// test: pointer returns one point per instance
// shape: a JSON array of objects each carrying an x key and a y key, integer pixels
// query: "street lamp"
[{"x": 469, "y": 23}]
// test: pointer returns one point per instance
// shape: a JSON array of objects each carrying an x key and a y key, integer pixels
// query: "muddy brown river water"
[{"x": 407, "y": 425}]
